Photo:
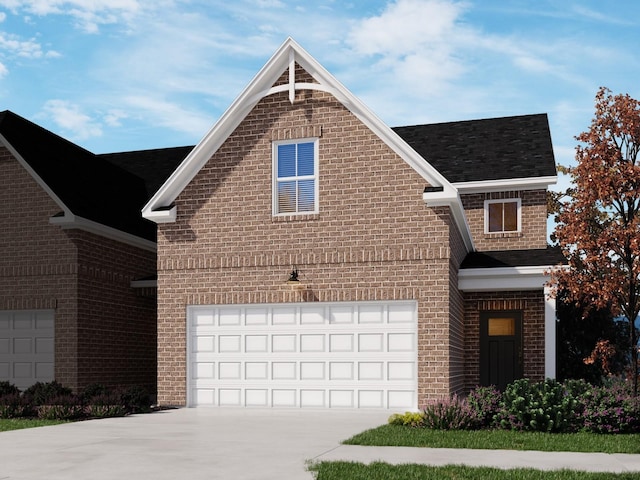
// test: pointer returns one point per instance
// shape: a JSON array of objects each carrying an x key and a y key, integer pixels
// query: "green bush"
[
  {"x": 611, "y": 408},
  {"x": 408, "y": 419},
  {"x": 93, "y": 390},
  {"x": 62, "y": 407},
  {"x": 542, "y": 407},
  {"x": 449, "y": 414},
  {"x": 42, "y": 393},
  {"x": 8, "y": 388},
  {"x": 485, "y": 404},
  {"x": 14, "y": 405},
  {"x": 136, "y": 399}
]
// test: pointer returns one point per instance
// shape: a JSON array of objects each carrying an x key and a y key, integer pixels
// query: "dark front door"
[{"x": 500, "y": 348}]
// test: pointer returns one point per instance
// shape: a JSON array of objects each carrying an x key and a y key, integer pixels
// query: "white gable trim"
[
  {"x": 35, "y": 176},
  {"x": 68, "y": 220},
  {"x": 161, "y": 209}
]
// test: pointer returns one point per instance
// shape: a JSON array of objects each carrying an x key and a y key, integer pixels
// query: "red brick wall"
[
  {"x": 84, "y": 278},
  {"x": 534, "y": 221},
  {"x": 531, "y": 303},
  {"x": 116, "y": 324},
  {"x": 374, "y": 238}
]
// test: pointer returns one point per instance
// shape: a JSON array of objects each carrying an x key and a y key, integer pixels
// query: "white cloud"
[
  {"x": 70, "y": 118},
  {"x": 88, "y": 15},
  {"x": 3, "y": 70},
  {"x": 13, "y": 45},
  {"x": 112, "y": 117},
  {"x": 168, "y": 114}
]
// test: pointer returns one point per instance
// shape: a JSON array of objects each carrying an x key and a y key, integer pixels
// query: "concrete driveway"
[{"x": 185, "y": 443}]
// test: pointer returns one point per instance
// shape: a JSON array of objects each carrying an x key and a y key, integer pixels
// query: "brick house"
[
  {"x": 74, "y": 250},
  {"x": 311, "y": 256}
]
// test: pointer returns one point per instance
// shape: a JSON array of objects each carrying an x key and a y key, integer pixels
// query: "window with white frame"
[
  {"x": 295, "y": 177},
  {"x": 502, "y": 216}
]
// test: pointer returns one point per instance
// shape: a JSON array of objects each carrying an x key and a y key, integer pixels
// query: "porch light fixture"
[
  {"x": 294, "y": 282},
  {"x": 293, "y": 276}
]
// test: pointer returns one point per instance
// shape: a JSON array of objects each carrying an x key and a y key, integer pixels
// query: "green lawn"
[
  {"x": 398, "y": 435},
  {"x": 384, "y": 471},
  {"x": 19, "y": 423}
]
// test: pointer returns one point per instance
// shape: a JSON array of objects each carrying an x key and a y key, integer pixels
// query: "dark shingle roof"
[
  {"x": 489, "y": 149},
  {"x": 514, "y": 258},
  {"x": 153, "y": 166},
  {"x": 89, "y": 185}
]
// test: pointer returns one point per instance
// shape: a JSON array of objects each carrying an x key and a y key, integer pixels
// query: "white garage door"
[
  {"x": 26, "y": 347},
  {"x": 337, "y": 355}
]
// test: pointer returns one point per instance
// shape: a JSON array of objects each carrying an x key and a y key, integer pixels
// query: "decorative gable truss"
[{"x": 441, "y": 192}]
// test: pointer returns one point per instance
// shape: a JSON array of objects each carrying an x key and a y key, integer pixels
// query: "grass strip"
[
  {"x": 20, "y": 423},
  {"x": 385, "y": 471},
  {"x": 401, "y": 436}
]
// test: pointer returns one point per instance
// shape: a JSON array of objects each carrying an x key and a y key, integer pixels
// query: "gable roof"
[
  {"x": 161, "y": 207},
  {"x": 92, "y": 192},
  {"x": 487, "y": 150}
]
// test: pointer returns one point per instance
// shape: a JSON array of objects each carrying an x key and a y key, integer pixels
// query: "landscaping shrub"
[
  {"x": 42, "y": 393},
  {"x": 452, "y": 413},
  {"x": 408, "y": 419},
  {"x": 136, "y": 399},
  {"x": 8, "y": 388},
  {"x": 14, "y": 405},
  {"x": 93, "y": 390},
  {"x": 485, "y": 404},
  {"x": 106, "y": 405},
  {"x": 542, "y": 407},
  {"x": 62, "y": 407},
  {"x": 611, "y": 408}
]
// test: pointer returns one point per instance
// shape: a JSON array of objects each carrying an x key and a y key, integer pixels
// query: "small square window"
[
  {"x": 295, "y": 182},
  {"x": 502, "y": 216}
]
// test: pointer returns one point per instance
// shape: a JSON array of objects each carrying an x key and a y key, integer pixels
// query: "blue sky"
[{"x": 114, "y": 75}]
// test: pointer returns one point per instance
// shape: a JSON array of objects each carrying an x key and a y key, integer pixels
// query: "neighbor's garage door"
[
  {"x": 338, "y": 355},
  {"x": 26, "y": 347}
]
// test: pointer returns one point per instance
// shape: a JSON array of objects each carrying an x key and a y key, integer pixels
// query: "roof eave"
[
  {"x": 504, "y": 278},
  {"x": 449, "y": 197},
  {"x": 508, "y": 184},
  {"x": 68, "y": 221}
]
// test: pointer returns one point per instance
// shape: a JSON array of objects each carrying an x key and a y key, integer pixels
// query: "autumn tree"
[{"x": 599, "y": 221}]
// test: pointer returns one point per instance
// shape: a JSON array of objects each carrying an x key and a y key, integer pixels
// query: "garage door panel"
[
  {"x": 344, "y": 355},
  {"x": 27, "y": 347}
]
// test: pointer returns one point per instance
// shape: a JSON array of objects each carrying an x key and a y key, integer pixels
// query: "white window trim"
[
  {"x": 274, "y": 170},
  {"x": 502, "y": 200}
]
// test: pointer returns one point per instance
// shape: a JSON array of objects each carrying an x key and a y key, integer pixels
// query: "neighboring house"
[
  {"x": 73, "y": 251},
  {"x": 311, "y": 256}
]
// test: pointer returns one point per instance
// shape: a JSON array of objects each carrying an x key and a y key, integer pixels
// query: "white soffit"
[
  {"x": 158, "y": 208},
  {"x": 503, "y": 278}
]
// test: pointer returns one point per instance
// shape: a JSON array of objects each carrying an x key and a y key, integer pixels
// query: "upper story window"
[
  {"x": 295, "y": 182},
  {"x": 502, "y": 216}
]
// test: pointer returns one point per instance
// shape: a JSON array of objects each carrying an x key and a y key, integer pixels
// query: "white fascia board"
[
  {"x": 446, "y": 198},
  {"x": 35, "y": 176},
  {"x": 511, "y": 184},
  {"x": 503, "y": 279},
  {"x": 70, "y": 221},
  {"x": 260, "y": 86}
]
